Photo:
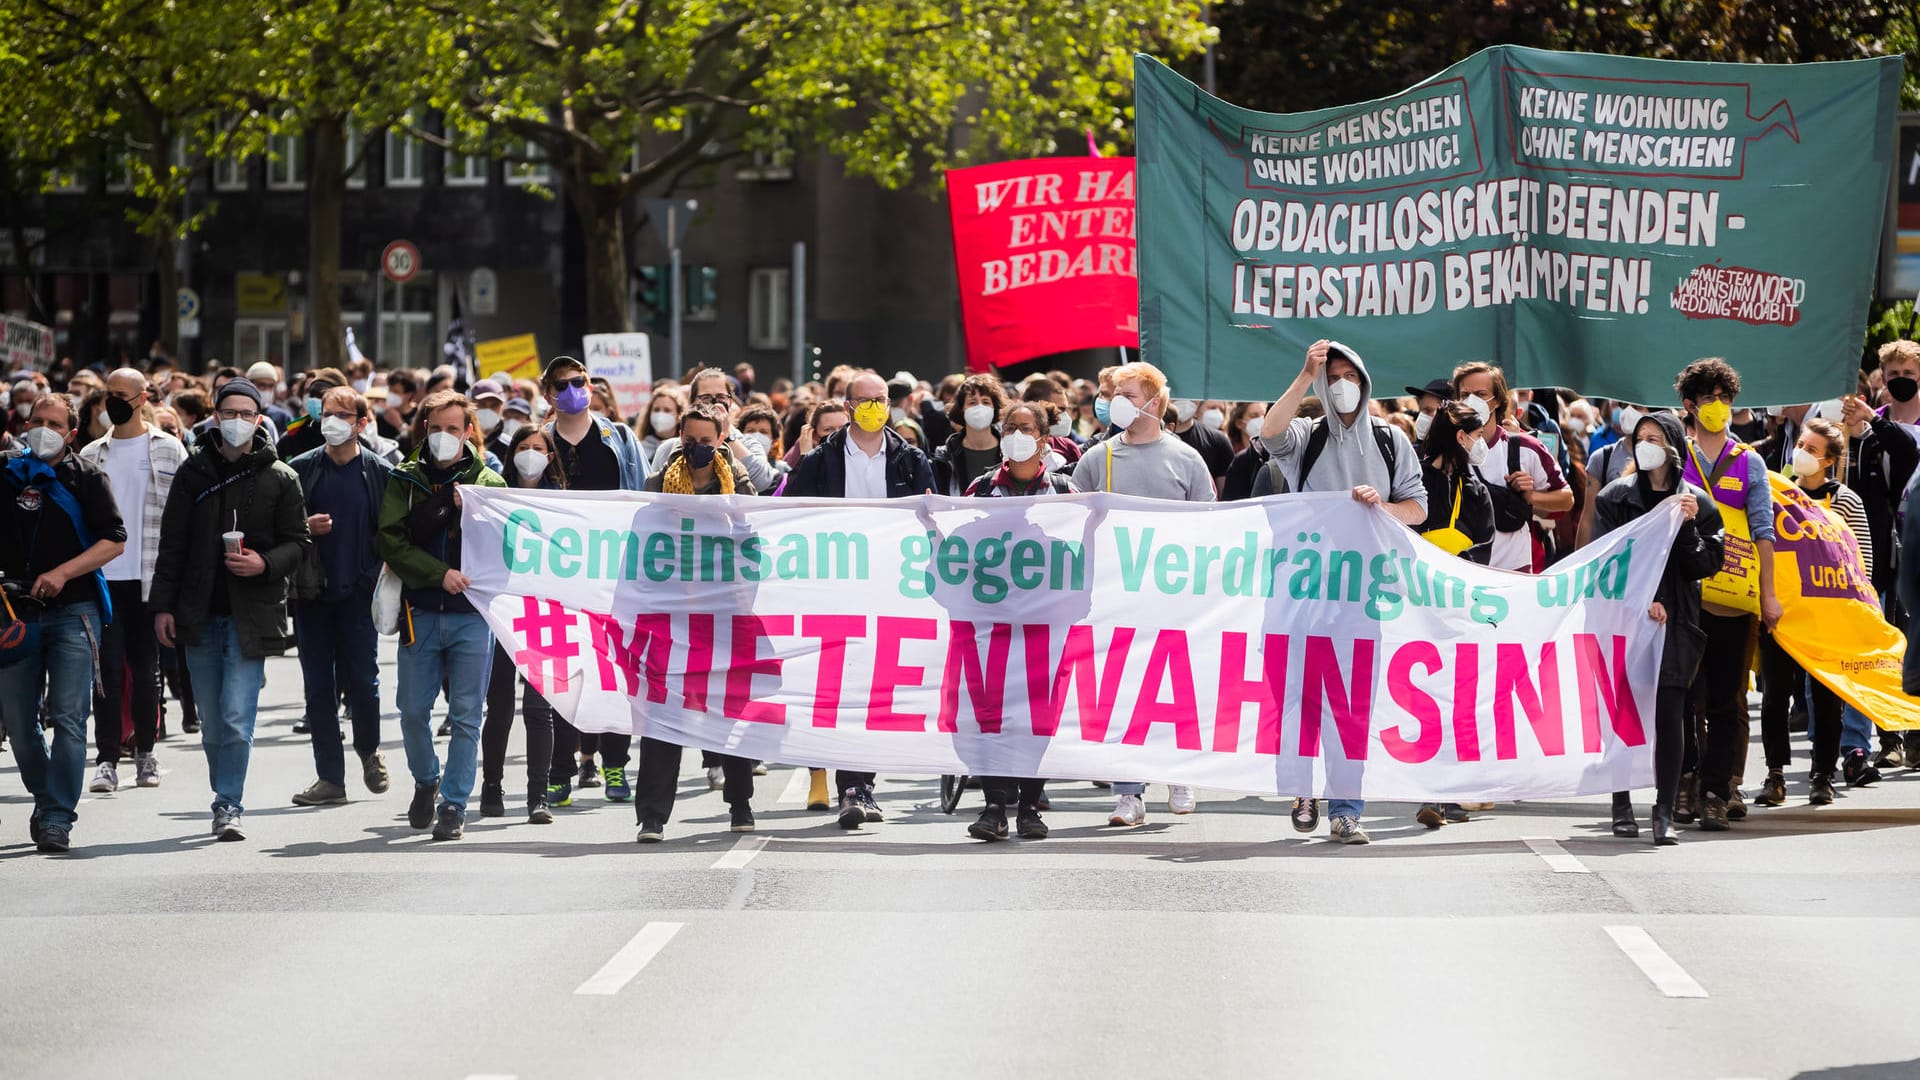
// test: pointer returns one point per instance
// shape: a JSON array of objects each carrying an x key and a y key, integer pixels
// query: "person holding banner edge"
[
  {"x": 1144, "y": 459},
  {"x": 1650, "y": 479},
  {"x": 861, "y": 460},
  {"x": 700, "y": 465},
  {"x": 1737, "y": 477},
  {"x": 1344, "y": 450}
]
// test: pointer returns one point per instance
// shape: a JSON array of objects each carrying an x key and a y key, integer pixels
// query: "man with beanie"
[
  {"x": 139, "y": 461},
  {"x": 266, "y": 381},
  {"x": 234, "y": 531},
  {"x": 1346, "y": 449}
]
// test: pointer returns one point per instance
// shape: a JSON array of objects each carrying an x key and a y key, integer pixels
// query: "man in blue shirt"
[{"x": 344, "y": 485}]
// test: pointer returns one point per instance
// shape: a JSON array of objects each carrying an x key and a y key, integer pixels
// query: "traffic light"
[
  {"x": 702, "y": 292},
  {"x": 650, "y": 289}
]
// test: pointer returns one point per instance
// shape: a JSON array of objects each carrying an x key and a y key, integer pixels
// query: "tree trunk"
[
  {"x": 326, "y": 340},
  {"x": 167, "y": 275},
  {"x": 603, "y": 226}
]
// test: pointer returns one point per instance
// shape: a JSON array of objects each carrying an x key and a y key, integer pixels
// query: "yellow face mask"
[
  {"x": 1715, "y": 415},
  {"x": 871, "y": 415}
]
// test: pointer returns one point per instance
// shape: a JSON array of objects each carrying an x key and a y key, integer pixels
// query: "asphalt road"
[{"x": 337, "y": 942}]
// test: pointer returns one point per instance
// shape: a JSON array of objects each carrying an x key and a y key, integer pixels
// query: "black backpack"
[
  {"x": 1317, "y": 444},
  {"x": 1511, "y": 511}
]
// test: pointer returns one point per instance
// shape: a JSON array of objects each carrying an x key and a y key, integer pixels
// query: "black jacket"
[
  {"x": 1879, "y": 464},
  {"x": 267, "y": 503},
  {"x": 822, "y": 474},
  {"x": 1476, "y": 509},
  {"x": 1697, "y": 553},
  {"x": 1244, "y": 470}
]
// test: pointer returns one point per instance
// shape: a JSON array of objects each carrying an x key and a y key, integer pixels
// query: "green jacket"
[
  {"x": 268, "y": 507},
  {"x": 420, "y": 529}
]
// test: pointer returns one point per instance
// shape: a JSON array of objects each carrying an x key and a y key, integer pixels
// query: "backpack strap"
[
  {"x": 1317, "y": 444},
  {"x": 1109, "y": 444},
  {"x": 1513, "y": 454},
  {"x": 1383, "y": 437}
]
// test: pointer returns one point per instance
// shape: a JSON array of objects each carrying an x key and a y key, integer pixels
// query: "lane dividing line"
[
  {"x": 740, "y": 854},
  {"x": 795, "y": 793},
  {"x": 632, "y": 957},
  {"x": 1554, "y": 855},
  {"x": 1665, "y": 973}
]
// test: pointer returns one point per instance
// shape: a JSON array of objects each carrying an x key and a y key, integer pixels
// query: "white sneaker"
[
  {"x": 146, "y": 770},
  {"x": 105, "y": 779},
  {"x": 716, "y": 779},
  {"x": 1128, "y": 810},
  {"x": 1347, "y": 830},
  {"x": 1180, "y": 799}
]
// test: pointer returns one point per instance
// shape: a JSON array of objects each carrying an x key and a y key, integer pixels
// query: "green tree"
[
  {"x": 165, "y": 85},
  {"x": 626, "y": 97},
  {"x": 328, "y": 66}
]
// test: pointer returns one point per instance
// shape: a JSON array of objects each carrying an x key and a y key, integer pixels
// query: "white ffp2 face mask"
[
  {"x": 1183, "y": 410},
  {"x": 1805, "y": 464},
  {"x": 489, "y": 419},
  {"x": 1214, "y": 419},
  {"x": 1344, "y": 396},
  {"x": 1649, "y": 455},
  {"x": 1018, "y": 446},
  {"x": 531, "y": 463},
  {"x": 1477, "y": 453},
  {"x": 1123, "y": 412},
  {"x": 44, "y": 442},
  {"x": 238, "y": 433},
  {"x": 335, "y": 430},
  {"x": 978, "y": 417},
  {"x": 1422, "y": 424},
  {"x": 663, "y": 422},
  {"x": 443, "y": 445}
]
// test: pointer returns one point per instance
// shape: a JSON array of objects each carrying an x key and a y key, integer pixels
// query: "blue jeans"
[
  {"x": 1346, "y": 808},
  {"x": 458, "y": 646},
  {"x": 226, "y": 684},
  {"x": 337, "y": 644},
  {"x": 63, "y": 663}
]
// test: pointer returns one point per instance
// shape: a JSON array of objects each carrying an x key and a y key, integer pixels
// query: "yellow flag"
[{"x": 1832, "y": 623}]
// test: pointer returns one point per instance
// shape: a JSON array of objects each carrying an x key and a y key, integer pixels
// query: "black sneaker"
[
  {"x": 867, "y": 806},
  {"x": 1028, "y": 824},
  {"x": 300, "y": 728},
  {"x": 1822, "y": 793},
  {"x": 1859, "y": 772},
  {"x": 1454, "y": 812},
  {"x": 1773, "y": 792},
  {"x": 420, "y": 810},
  {"x": 992, "y": 824},
  {"x": 741, "y": 818},
  {"x": 1306, "y": 815},
  {"x": 35, "y": 829},
  {"x": 190, "y": 725},
  {"x": 852, "y": 814},
  {"x": 446, "y": 728},
  {"x": 589, "y": 775},
  {"x": 537, "y": 812},
  {"x": 452, "y": 824},
  {"x": 53, "y": 839},
  {"x": 651, "y": 832},
  {"x": 492, "y": 802}
]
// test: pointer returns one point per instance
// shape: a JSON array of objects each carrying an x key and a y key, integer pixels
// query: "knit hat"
[{"x": 241, "y": 387}]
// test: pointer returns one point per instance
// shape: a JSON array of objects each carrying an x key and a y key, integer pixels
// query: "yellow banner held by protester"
[
  {"x": 514, "y": 357},
  {"x": 1832, "y": 623}
]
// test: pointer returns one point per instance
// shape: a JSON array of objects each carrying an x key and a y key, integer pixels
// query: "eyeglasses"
[
  {"x": 714, "y": 399},
  {"x": 859, "y": 401},
  {"x": 235, "y": 414},
  {"x": 349, "y": 417},
  {"x": 578, "y": 382}
]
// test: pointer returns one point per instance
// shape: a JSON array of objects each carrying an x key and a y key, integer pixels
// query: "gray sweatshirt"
[{"x": 1351, "y": 456}]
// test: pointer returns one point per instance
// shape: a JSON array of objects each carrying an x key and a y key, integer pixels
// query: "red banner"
[{"x": 1046, "y": 257}]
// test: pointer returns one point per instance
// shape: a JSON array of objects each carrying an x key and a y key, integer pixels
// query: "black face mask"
[
  {"x": 1902, "y": 389},
  {"x": 699, "y": 455},
  {"x": 119, "y": 410}
]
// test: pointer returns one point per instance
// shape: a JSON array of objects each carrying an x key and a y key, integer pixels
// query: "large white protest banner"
[{"x": 1302, "y": 644}]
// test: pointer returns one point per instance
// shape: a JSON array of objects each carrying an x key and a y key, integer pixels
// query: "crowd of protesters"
[{"x": 161, "y": 532}]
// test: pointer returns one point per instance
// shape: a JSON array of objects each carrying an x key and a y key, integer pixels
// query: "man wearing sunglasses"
[
  {"x": 594, "y": 454},
  {"x": 139, "y": 461},
  {"x": 711, "y": 386}
]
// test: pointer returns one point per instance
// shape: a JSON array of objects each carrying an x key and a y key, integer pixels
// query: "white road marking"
[
  {"x": 1554, "y": 855},
  {"x": 1665, "y": 973},
  {"x": 741, "y": 854},
  {"x": 795, "y": 793},
  {"x": 633, "y": 956}
]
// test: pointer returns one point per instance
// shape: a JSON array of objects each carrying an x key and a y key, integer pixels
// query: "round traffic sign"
[
  {"x": 189, "y": 303},
  {"x": 400, "y": 262}
]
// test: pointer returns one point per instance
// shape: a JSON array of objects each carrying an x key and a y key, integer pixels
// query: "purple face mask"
[{"x": 572, "y": 399}]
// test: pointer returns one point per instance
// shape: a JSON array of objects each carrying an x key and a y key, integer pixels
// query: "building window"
[
  {"x": 769, "y": 308},
  {"x": 230, "y": 174},
  {"x": 767, "y": 166},
  {"x": 355, "y": 155},
  {"x": 406, "y": 164},
  {"x": 66, "y": 182},
  {"x": 255, "y": 340},
  {"x": 466, "y": 170},
  {"x": 407, "y": 337},
  {"x": 287, "y": 168},
  {"x": 532, "y": 171}
]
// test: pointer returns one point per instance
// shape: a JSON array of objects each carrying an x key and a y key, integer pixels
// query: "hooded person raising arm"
[{"x": 1347, "y": 450}]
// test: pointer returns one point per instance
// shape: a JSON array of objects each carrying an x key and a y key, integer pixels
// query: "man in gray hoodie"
[{"x": 1345, "y": 450}]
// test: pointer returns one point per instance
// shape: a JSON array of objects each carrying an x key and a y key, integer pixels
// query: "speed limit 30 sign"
[{"x": 400, "y": 262}]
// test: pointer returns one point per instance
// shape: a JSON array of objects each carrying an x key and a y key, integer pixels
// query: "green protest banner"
[{"x": 1585, "y": 221}]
